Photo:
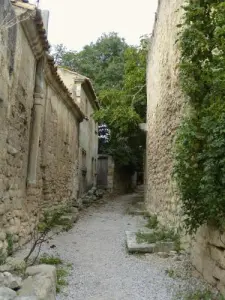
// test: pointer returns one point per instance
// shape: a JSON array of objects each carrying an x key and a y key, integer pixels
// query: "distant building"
[{"x": 84, "y": 96}]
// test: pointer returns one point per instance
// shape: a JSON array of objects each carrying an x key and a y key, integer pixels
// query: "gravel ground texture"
[{"x": 101, "y": 267}]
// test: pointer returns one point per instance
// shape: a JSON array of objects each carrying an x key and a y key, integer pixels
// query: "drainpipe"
[{"x": 36, "y": 122}]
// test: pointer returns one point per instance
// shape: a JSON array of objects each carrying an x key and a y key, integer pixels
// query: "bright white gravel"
[{"x": 102, "y": 268}]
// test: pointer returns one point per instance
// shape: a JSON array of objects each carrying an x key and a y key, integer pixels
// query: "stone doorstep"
[
  {"x": 133, "y": 246},
  {"x": 138, "y": 212}
]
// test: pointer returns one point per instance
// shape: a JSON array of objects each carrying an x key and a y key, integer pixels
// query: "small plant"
[
  {"x": 158, "y": 235},
  {"x": 50, "y": 260},
  {"x": 2, "y": 257},
  {"x": 9, "y": 238},
  {"x": 170, "y": 273},
  {"x": 44, "y": 230},
  {"x": 152, "y": 222},
  {"x": 203, "y": 295},
  {"x": 177, "y": 244},
  {"x": 61, "y": 274},
  {"x": 62, "y": 270}
]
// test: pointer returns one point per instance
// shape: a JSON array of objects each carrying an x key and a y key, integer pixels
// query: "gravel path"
[{"x": 102, "y": 269}]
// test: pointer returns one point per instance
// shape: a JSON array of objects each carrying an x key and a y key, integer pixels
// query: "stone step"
[{"x": 134, "y": 247}]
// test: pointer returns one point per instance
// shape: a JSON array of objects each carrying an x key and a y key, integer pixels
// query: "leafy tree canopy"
[{"x": 118, "y": 73}]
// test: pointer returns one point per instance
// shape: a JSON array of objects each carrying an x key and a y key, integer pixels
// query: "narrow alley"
[
  {"x": 112, "y": 150},
  {"x": 101, "y": 267}
]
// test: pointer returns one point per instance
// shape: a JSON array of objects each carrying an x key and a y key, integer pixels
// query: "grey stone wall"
[
  {"x": 163, "y": 113},
  {"x": 165, "y": 109},
  {"x": 21, "y": 202}
]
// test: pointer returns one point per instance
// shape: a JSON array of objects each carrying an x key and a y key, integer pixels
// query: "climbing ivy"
[{"x": 200, "y": 144}]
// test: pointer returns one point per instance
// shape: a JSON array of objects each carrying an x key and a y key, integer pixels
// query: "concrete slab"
[{"x": 134, "y": 247}]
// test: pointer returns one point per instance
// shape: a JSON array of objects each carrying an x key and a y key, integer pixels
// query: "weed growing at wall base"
[
  {"x": 200, "y": 145},
  {"x": 203, "y": 295}
]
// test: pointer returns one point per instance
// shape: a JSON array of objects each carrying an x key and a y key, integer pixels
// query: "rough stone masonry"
[
  {"x": 39, "y": 130},
  {"x": 165, "y": 108}
]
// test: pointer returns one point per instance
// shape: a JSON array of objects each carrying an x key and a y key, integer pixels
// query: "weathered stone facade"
[
  {"x": 164, "y": 111},
  {"x": 165, "y": 108},
  {"x": 83, "y": 94},
  {"x": 208, "y": 256},
  {"x": 39, "y": 133}
]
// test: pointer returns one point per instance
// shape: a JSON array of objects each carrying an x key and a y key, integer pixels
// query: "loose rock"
[
  {"x": 7, "y": 293},
  {"x": 11, "y": 281}
]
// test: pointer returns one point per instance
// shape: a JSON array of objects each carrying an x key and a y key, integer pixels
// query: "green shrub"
[
  {"x": 61, "y": 274},
  {"x": 158, "y": 235},
  {"x": 9, "y": 238},
  {"x": 203, "y": 295},
  {"x": 2, "y": 257},
  {"x": 199, "y": 166},
  {"x": 50, "y": 260},
  {"x": 152, "y": 222}
]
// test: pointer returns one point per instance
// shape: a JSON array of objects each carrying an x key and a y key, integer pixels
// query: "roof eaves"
[
  {"x": 54, "y": 71},
  {"x": 42, "y": 34}
]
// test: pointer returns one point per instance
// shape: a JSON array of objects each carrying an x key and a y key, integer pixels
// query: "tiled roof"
[
  {"x": 41, "y": 32},
  {"x": 38, "y": 21},
  {"x": 84, "y": 80},
  {"x": 54, "y": 72}
]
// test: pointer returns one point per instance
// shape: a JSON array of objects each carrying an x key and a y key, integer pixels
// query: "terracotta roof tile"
[{"x": 38, "y": 21}]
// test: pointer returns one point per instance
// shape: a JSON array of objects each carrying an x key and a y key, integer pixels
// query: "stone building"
[
  {"x": 85, "y": 97},
  {"x": 39, "y": 132},
  {"x": 165, "y": 108},
  {"x": 163, "y": 112}
]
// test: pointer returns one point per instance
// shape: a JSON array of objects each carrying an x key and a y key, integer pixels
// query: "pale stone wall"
[
  {"x": 165, "y": 108},
  {"x": 208, "y": 256},
  {"x": 60, "y": 152},
  {"x": 88, "y": 132},
  {"x": 56, "y": 178},
  {"x": 163, "y": 113},
  {"x": 16, "y": 93},
  {"x": 89, "y": 140}
]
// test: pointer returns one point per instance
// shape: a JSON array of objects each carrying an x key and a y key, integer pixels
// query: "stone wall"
[
  {"x": 89, "y": 140},
  {"x": 39, "y": 132},
  {"x": 165, "y": 108},
  {"x": 163, "y": 113},
  {"x": 208, "y": 256},
  {"x": 83, "y": 94},
  {"x": 59, "y": 146},
  {"x": 16, "y": 88}
]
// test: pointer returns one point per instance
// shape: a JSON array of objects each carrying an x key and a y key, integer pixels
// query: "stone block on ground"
[
  {"x": 26, "y": 298},
  {"x": 16, "y": 264},
  {"x": 133, "y": 246},
  {"x": 7, "y": 294},
  {"x": 46, "y": 269},
  {"x": 41, "y": 283},
  {"x": 11, "y": 281},
  {"x": 145, "y": 247},
  {"x": 164, "y": 246},
  {"x": 138, "y": 209}
]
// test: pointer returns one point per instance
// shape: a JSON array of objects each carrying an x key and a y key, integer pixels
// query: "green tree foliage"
[
  {"x": 102, "y": 62},
  {"x": 118, "y": 73},
  {"x": 135, "y": 76},
  {"x": 200, "y": 146}
]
